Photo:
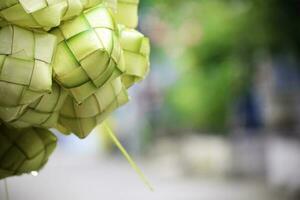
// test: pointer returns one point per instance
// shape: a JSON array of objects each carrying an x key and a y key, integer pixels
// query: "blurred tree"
[
  {"x": 202, "y": 99},
  {"x": 219, "y": 68}
]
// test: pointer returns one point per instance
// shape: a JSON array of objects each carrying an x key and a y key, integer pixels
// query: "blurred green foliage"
[
  {"x": 202, "y": 99},
  {"x": 233, "y": 33},
  {"x": 246, "y": 24}
]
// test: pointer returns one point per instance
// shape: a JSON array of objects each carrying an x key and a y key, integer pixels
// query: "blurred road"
[{"x": 81, "y": 177}]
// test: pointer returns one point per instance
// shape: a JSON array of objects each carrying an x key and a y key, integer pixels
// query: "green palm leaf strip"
[
  {"x": 127, "y": 13},
  {"x": 6, "y": 189},
  {"x": 136, "y": 48},
  {"x": 126, "y": 155}
]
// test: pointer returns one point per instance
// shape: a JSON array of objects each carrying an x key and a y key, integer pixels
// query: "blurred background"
[{"x": 218, "y": 117}]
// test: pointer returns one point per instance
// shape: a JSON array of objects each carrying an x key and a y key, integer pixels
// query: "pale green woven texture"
[
  {"x": 81, "y": 119},
  {"x": 127, "y": 13},
  {"x": 25, "y": 70},
  {"x": 42, "y": 13},
  {"x": 23, "y": 151},
  {"x": 136, "y": 50},
  {"x": 43, "y": 112},
  {"x": 88, "y": 54}
]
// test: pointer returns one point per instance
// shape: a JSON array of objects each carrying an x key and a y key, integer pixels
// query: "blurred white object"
[
  {"x": 248, "y": 152},
  {"x": 206, "y": 155},
  {"x": 283, "y": 163},
  {"x": 193, "y": 155}
]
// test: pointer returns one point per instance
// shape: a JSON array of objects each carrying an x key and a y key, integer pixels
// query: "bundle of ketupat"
[{"x": 64, "y": 64}]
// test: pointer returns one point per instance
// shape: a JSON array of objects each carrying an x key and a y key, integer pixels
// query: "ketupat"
[
  {"x": 94, "y": 61},
  {"x": 44, "y": 112},
  {"x": 44, "y": 14},
  {"x": 81, "y": 119},
  {"x": 23, "y": 151},
  {"x": 88, "y": 53},
  {"x": 26, "y": 73}
]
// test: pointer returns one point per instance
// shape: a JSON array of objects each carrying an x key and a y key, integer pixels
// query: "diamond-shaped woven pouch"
[
  {"x": 43, "y": 112},
  {"x": 42, "y": 13},
  {"x": 25, "y": 69},
  {"x": 24, "y": 150},
  {"x": 136, "y": 50},
  {"x": 81, "y": 119},
  {"x": 88, "y": 54}
]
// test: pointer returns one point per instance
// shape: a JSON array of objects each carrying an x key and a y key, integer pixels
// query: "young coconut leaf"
[
  {"x": 107, "y": 130},
  {"x": 136, "y": 50},
  {"x": 25, "y": 70},
  {"x": 82, "y": 118},
  {"x": 43, "y": 112},
  {"x": 127, "y": 13},
  {"x": 24, "y": 150},
  {"x": 44, "y": 14},
  {"x": 88, "y": 54}
]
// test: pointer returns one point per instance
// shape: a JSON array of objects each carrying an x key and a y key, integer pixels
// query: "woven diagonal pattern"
[
  {"x": 23, "y": 151},
  {"x": 43, "y": 112},
  {"x": 88, "y": 54},
  {"x": 127, "y": 13},
  {"x": 81, "y": 119},
  {"x": 42, "y": 13},
  {"x": 25, "y": 70},
  {"x": 136, "y": 48}
]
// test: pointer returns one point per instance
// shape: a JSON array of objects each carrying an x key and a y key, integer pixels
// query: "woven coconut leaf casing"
[
  {"x": 43, "y": 112},
  {"x": 127, "y": 13},
  {"x": 43, "y": 13},
  {"x": 88, "y": 53},
  {"x": 136, "y": 48},
  {"x": 24, "y": 150},
  {"x": 25, "y": 70},
  {"x": 81, "y": 119}
]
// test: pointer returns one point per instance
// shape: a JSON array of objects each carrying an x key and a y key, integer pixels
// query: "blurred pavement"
[{"x": 69, "y": 176}]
